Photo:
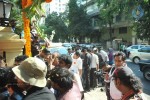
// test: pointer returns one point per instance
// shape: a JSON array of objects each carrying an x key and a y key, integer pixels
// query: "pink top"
[{"x": 72, "y": 94}]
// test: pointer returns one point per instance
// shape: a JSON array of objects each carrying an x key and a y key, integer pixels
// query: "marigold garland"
[
  {"x": 47, "y": 1},
  {"x": 27, "y": 35}
]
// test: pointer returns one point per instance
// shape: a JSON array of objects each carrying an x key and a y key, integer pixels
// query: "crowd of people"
[{"x": 51, "y": 76}]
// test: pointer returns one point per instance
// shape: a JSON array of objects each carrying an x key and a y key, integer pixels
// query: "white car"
[
  {"x": 140, "y": 54},
  {"x": 134, "y": 48},
  {"x": 60, "y": 50}
]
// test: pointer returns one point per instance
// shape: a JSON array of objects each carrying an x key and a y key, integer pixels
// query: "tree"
[
  {"x": 16, "y": 17},
  {"x": 56, "y": 22},
  {"x": 142, "y": 26},
  {"x": 79, "y": 23},
  {"x": 107, "y": 11},
  {"x": 110, "y": 8}
]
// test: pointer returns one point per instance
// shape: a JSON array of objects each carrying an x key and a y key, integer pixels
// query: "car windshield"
[{"x": 60, "y": 50}]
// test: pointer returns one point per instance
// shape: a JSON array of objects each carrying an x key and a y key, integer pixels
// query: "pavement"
[{"x": 95, "y": 94}]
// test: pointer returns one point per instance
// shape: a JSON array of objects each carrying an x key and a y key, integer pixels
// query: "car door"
[{"x": 144, "y": 53}]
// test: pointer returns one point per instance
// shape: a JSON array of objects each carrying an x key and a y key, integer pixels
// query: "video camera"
[{"x": 100, "y": 76}]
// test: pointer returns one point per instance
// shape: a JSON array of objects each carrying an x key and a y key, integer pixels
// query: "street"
[{"x": 146, "y": 84}]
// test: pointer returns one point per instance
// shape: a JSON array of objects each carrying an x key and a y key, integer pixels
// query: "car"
[
  {"x": 67, "y": 45},
  {"x": 57, "y": 47},
  {"x": 60, "y": 50},
  {"x": 140, "y": 54},
  {"x": 135, "y": 47},
  {"x": 145, "y": 68}
]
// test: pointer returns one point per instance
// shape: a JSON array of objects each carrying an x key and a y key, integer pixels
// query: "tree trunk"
[{"x": 110, "y": 32}]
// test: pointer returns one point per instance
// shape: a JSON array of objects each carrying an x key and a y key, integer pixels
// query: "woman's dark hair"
[
  {"x": 120, "y": 54},
  {"x": 128, "y": 78},
  {"x": 103, "y": 64},
  {"x": 132, "y": 82},
  {"x": 62, "y": 77}
]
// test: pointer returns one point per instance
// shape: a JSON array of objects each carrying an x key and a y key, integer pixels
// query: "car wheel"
[
  {"x": 146, "y": 74},
  {"x": 136, "y": 60}
]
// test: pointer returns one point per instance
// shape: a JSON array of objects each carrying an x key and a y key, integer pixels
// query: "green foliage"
[
  {"x": 57, "y": 22},
  {"x": 108, "y": 9},
  {"x": 47, "y": 30},
  {"x": 35, "y": 10},
  {"x": 142, "y": 26},
  {"x": 16, "y": 3},
  {"x": 79, "y": 23},
  {"x": 111, "y": 8},
  {"x": 16, "y": 16}
]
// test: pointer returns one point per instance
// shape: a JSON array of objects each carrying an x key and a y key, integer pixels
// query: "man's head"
[
  {"x": 95, "y": 50},
  {"x": 65, "y": 61},
  {"x": 69, "y": 50},
  {"x": 100, "y": 48},
  {"x": 19, "y": 59},
  {"x": 55, "y": 57},
  {"x": 104, "y": 66},
  {"x": 45, "y": 53},
  {"x": 76, "y": 55},
  {"x": 119, "y": 59},
  {"x": 31, "y": 71},
  {"x": 84, "y": 51}
]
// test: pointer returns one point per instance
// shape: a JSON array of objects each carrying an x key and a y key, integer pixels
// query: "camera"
[
  {"x": 104, "y": 72},
  {"x": 100, "y": 77},
  {"x": 98, "y": 73}
]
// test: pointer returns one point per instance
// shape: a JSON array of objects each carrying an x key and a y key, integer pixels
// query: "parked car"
[
  {"x": 140, "y": 54},
  {"x": 57, "y": 47},
  {"x": 134, "y": 48},
  {"x": 67, "y": 45},
  {"x": 145, "y": 68},
  {"x": 60, "y": 50}
]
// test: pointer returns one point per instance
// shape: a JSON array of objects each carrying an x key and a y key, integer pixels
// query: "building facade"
[
  {"x": 58, "y": 6},
  {"x": 122, "y": 31}
]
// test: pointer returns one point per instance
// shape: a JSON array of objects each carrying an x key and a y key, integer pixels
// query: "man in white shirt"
[
  {"x": 119, "y": 59},
  {"x": 76, "y": 66},
  {"x": 104, "y": 55},
  {"x": 94, "y": 66}
]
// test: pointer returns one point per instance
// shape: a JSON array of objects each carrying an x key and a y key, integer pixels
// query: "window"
[
  {"x": 141, "y": 46},
  {"x": 134, "y": 47},
  {"x": 122, "y": 30},
  {"x": 118, "y": 18},
  {"x": 144, "y": 50}
]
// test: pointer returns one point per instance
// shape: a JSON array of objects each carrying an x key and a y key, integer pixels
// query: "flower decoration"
[{"x": 31, "y": 8}]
